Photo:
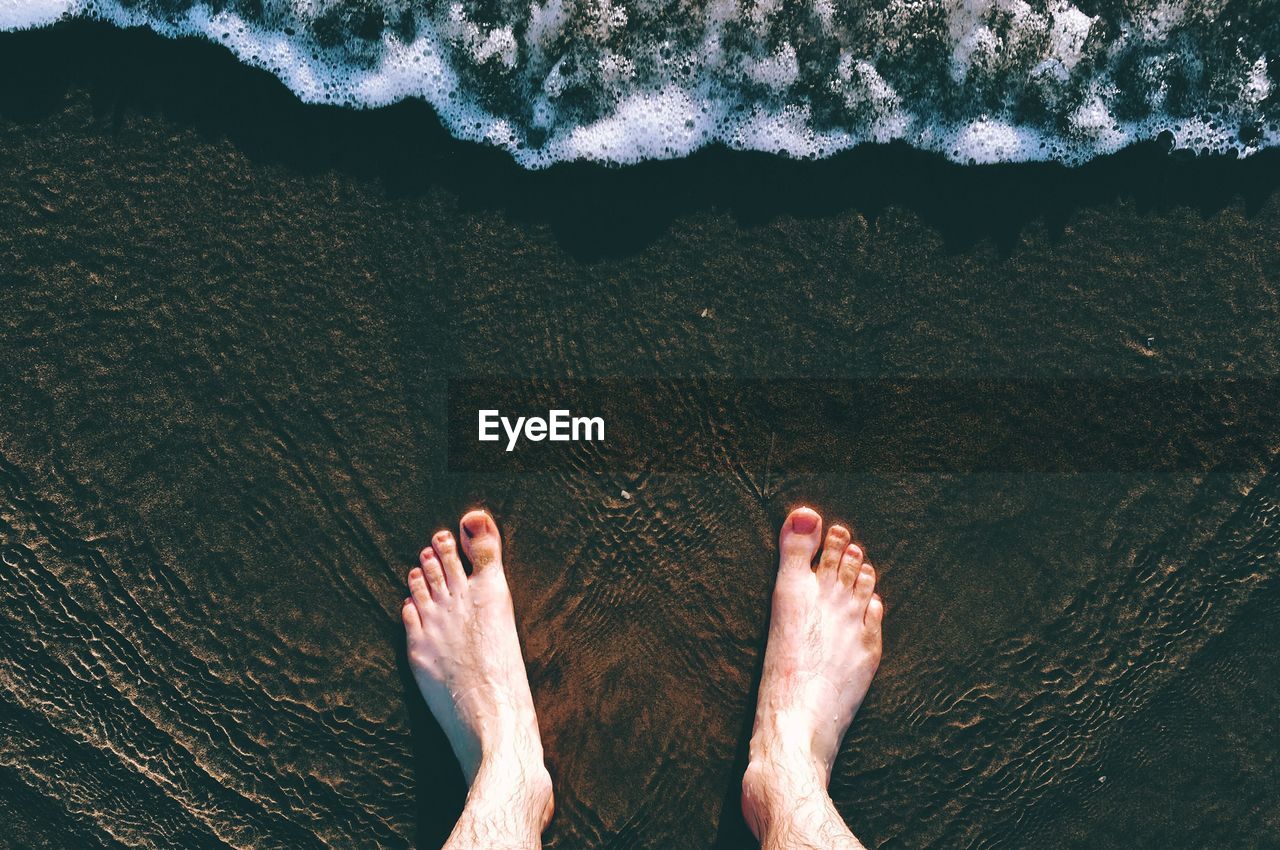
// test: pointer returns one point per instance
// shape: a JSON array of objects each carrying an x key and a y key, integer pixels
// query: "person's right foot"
[
  {"x": 465, "y": 656},
  {"x": 823, "y": 650}
]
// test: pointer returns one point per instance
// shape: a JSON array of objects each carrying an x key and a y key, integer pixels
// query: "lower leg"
[
  {"x": 823, "y": 650},
  {"x": 507, "y": 808},
  {"x": 791, "y": 810}
]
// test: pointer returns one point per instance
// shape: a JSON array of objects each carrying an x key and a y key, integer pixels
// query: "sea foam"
[{"x": 978, "y": 81}]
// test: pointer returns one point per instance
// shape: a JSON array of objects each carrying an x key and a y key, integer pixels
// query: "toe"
[
  {"x": 418, "y": 590},
  {"x": 863, "y": 588},
  {"x": 481, "y": 541},
  {"x": 850, "y": 564},
  {"x": 433, "y": 572},
  {"x": 447, "y": 551},
  {"x": 799, "y": 539},
  {"x": 832, "y": 550},
  {"x": 409, "y": 616},
  {"x": 874, "y": 616}
]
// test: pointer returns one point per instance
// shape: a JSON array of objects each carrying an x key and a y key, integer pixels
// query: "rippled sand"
[{"x": 223, "y": 441}]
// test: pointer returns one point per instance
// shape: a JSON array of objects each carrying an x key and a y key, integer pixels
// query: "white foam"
[
  {"x": 777, "y": 71},
  {"x": 27, "y": 14},
  {"x": 667, "y": 97},
  {"x": 1067, "y": 36}
]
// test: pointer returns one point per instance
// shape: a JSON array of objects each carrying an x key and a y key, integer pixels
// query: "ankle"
[
  {"x": 776, "y": 785},
  {"x": 783, "y": 748},
  {"x": 520, "y": 785}
]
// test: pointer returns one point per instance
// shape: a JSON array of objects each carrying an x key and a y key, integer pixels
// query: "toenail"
[
  {"x": 804, "y": 523},
  {"x": 854, "y": 550}
]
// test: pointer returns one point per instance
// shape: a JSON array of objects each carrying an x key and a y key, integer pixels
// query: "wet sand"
[{"x": 230, "y": 327}]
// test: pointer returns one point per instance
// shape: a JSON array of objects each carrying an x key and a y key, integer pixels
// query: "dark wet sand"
[{"x": 229, "y": 324}]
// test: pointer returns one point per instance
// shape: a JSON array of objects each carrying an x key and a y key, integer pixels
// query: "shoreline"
[{"x": 406, "y": 149}]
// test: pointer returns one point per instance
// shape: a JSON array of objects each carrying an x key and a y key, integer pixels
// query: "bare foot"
[
  {"x": 823, "y": 650},
  {"x": 466, "y": 659}
]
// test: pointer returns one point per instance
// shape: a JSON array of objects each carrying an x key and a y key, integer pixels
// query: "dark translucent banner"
[{"x": 693, "y": 426}]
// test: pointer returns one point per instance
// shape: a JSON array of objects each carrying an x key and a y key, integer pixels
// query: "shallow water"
[{"x": 225, "y": 373}]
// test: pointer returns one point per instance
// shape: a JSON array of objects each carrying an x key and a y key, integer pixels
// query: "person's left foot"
[{"x": 466, "y": 659}]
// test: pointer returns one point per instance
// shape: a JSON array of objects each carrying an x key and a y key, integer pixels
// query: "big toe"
[
  {"x": 481, "y": 541},
  {"x": 801, "y": 535}
]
